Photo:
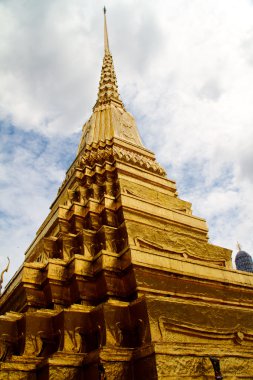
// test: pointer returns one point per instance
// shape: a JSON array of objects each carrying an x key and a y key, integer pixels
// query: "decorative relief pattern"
[
  {"x": 174, "y": 242},
  {"x": 121, "y": 335},
  {"x": 183, "y": 250},
  {"x": 154, "y": 196},
  {"x": 100, "y": 153},
  {"x": 42, "y": 343},
  {"x": 196, "y": 366},
  {"x": 138, "y": 160},
  {"x": 179, "y": 366},
  {"x": 237, "y": 367},
  {"x": 45, "y": 249},
  {"x": 171, "y": 330},
  {"x": 116, "y": 371},
  {"x": 77, "y": 339},
  {"x": 10, "y": 345},
  {"x": 63, "y": 373},
  {"x": 110, "y": 153}
]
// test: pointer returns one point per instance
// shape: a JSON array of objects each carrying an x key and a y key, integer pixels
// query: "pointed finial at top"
[
  {"x": 106, "y": 42},
  {"x": 239, "y": 246}
]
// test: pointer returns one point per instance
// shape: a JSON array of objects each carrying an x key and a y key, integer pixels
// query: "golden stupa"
[{"x": 121, "y": 281}]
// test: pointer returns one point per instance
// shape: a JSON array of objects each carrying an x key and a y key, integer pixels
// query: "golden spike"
[
  {"x": 108, "y": 88},
  {"x": 2, "y": 274},
  {"x": 239, "y": 246},
  {"x": 106, "y": 42}
]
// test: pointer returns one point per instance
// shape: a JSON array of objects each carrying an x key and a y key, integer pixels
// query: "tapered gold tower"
[{"x": 120, "y": 281}]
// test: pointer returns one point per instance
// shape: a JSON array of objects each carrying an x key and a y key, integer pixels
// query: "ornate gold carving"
[
  {"x": 172, "y": 242},
  {"x": 180, "y": 366},
  {"x": 233, "y": 367},
  {"x": 70, "y": 197},
  {"x": 77, "y": 338},
  {"x": 237, "y": 367},
  {"x": 144, "y": 243},
  {"x": 108, "y": 238},
  {"x": 97, "y": 191},
  {"x": 95, "y": 221},
  {"x": 9, "y": 345},
  {"x": 110, "y": 218},
  {"x": 108, "y": 88},
  {"x": 184, "y": 250},
  {"x": 44, "y": 343},
  {"x": 170, "y": 329},
  {"x": 101, "y": 153},
  {"x": 124, "y": 125},
  {"x": 45, "y": 249},
  {"x": 83, "y": 197},
  {"x": 64, "y": 372},
  {"x": 139, "y": 160},
  {"x": 90, "y": 244},
  {"x": 109, "y": 184},
  {"x": 239, "y": 337},
  {"x": 119, "y": 335},
  {"x": 153, "y": 195},
  {"x": 35, "y": 342},
  {"x": 68, "y": 245}
]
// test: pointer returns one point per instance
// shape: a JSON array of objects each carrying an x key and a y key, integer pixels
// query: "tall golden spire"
[
  {"x": 106, "y": 42},
  {"x": 108, "y": 88},
  {"x": 109, "y": 119}
]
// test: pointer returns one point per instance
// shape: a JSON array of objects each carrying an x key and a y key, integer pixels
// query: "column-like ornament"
[{"x": 68, "y": 245}]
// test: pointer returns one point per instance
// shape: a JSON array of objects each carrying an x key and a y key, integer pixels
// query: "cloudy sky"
[{"x": 185, "y": 71}]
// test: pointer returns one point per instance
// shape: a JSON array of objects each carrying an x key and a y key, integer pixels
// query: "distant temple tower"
[
  {"x": 120, "y": 281},
  {"x": 243, "y": 261}
]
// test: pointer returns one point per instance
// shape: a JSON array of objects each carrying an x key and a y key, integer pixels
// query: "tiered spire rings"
[{"x": 108, "y": 88}]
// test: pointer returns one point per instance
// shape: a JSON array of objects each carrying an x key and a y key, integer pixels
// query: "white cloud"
[{"x": 185, "y": 72}]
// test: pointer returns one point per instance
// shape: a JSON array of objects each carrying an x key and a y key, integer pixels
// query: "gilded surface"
[
  {"x": 121, "y": 281},
  {"x": 109, "y": 118},
  {"x": 153, "y": 195},
  {"x": 191, "y": 367},
  {"x": 188, "y": 322},
  {"x": 175, "y": 241}
]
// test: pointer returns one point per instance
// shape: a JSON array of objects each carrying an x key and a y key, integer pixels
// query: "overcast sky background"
[{"x": 185, "y": 71}]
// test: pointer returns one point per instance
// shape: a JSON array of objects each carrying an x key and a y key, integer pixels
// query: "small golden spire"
[
  {"x": 239, "y": 246},
  {"x": 2, "y": 274}
]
